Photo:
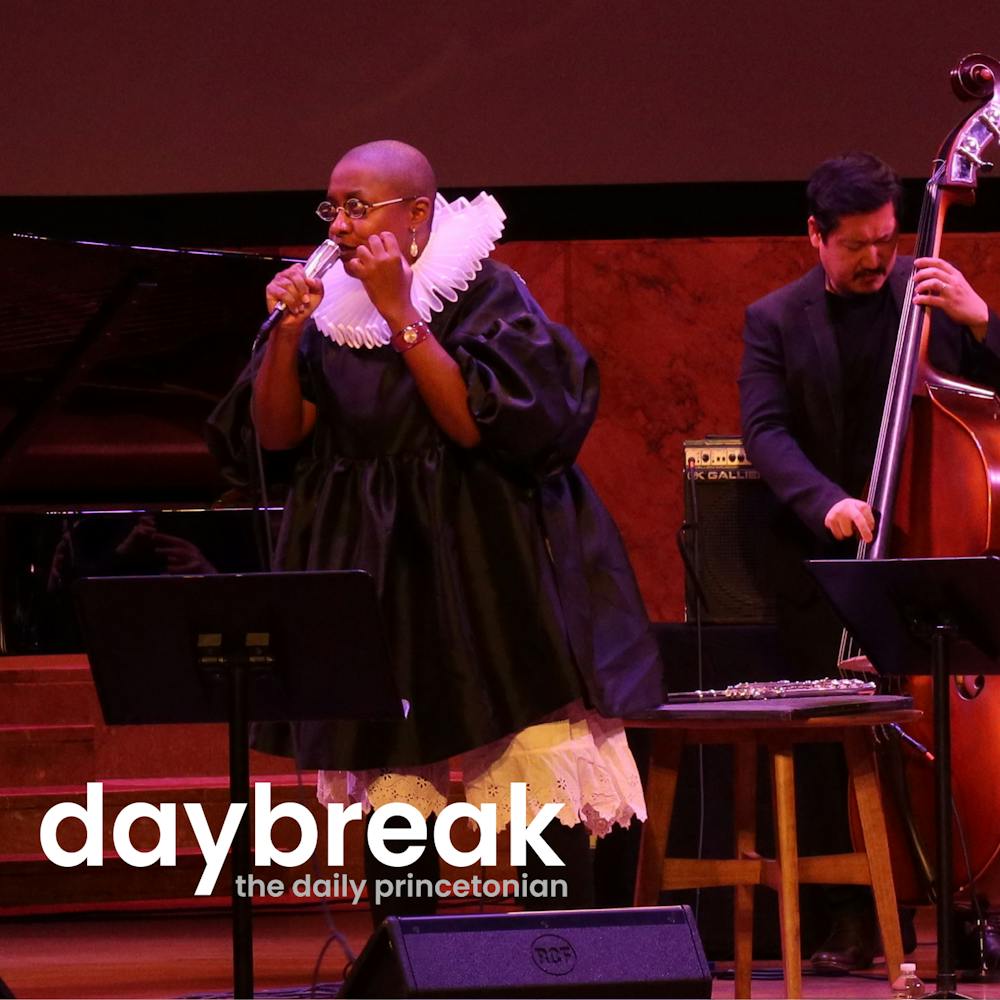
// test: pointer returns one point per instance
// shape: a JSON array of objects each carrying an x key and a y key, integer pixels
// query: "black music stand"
[
  {"x": 235, "y": 648},
  {"x": 924, "y": 616}
]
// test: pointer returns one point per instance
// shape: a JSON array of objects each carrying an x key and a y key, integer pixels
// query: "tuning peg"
[
  {"x": 990, "y": 122},
  {"x": 975, "y": 158}
]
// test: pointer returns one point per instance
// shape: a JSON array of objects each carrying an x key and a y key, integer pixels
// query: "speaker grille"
[{"x": 728, "y": 513}]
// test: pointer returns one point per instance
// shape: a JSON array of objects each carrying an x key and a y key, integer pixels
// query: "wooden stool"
[{"x": 748, "y": 725}]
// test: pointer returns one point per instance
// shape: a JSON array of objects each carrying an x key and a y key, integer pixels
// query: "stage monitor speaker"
[
  {"x": 726, "y": 539},
  {"x": 643, "y": 952}
]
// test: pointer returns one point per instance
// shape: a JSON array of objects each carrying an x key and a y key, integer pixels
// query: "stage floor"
[{"x": 180, "y": 954}]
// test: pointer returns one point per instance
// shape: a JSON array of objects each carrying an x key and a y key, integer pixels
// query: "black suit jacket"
[
  {"x": 791, "y": 391},
  {"x": 791, "y": 397}
]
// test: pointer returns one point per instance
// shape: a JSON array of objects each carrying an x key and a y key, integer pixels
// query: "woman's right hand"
[{"x": 300, "y": 294}]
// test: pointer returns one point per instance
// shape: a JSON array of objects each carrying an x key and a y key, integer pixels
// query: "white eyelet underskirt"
[{"x": 573, "y": 756}]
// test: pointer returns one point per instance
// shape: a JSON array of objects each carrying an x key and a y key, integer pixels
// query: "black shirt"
[{"x": 865, "y": 327}]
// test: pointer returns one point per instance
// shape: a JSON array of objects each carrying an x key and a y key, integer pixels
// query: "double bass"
[{"x": 935, "y": 491}]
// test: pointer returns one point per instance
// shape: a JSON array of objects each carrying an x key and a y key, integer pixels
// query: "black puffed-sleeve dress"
[{"x": 504, "y": 584}]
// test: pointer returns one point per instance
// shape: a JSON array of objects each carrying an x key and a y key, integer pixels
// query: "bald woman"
[{"x": 437, "y": 413}]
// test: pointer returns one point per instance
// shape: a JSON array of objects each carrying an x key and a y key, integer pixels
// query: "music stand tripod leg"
[
  {"x": 946, "y": 980},
  {"x": 239, "y": 791}
]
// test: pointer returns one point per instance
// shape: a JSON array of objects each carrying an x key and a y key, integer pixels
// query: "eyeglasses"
[{"x": 355, "y": 208}]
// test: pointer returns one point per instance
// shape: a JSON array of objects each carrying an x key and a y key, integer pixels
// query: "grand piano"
[{"x": 111, "y": 358}]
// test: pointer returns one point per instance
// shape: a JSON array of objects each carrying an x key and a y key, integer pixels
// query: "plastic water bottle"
[{"x": 909, "y": 984}]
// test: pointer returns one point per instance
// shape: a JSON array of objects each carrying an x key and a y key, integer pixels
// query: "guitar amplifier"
[{"x": 726, "y": 536}]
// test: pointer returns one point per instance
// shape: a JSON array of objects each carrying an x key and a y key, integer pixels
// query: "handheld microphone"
[{"x": 320, "y": 261}]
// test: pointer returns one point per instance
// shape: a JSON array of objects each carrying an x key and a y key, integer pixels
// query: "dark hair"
[{"x": 848, "y": 185}]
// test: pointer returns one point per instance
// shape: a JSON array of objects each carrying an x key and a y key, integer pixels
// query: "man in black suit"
[{"x": 816, "y": 364}]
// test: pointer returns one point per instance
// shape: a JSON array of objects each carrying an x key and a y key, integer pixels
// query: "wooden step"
[
  {"x": 47, "y": 755},
  {"x": 51, "y": 733},
  {"x": 47, "y": 690},
  {"x": 173, "y": 751},
  {"x": 72, "y": 754},
  {"x": 22, "y": 809}
]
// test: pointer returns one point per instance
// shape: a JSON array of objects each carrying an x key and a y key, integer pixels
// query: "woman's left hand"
[{"x": 380, "y": 266}]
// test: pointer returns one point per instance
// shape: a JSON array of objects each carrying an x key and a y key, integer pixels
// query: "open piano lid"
[{"x": 111, "y": 358}]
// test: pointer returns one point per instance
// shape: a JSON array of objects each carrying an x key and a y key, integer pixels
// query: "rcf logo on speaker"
[{"x": 553, "y": 954}]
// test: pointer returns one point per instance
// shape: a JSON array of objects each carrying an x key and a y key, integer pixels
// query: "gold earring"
[{"x": 414, "y": 249}]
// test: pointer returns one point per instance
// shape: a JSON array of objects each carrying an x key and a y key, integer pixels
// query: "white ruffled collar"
[{"x": 463, "y": 235}]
